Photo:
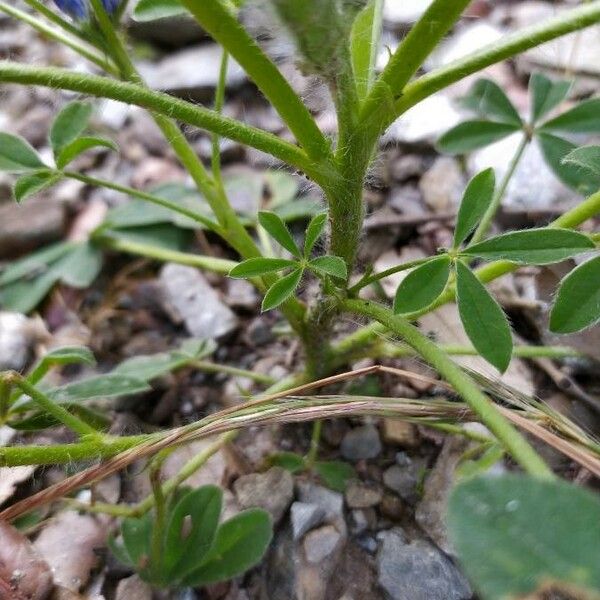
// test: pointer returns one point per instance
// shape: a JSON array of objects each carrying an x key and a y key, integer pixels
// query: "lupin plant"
[{"x": 337, "y": 41}]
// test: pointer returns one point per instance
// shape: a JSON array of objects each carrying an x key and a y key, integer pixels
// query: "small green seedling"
[{"x": 193, "y": 548}]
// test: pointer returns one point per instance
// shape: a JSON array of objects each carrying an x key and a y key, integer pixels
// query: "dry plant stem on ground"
[{"x": 339, "y": 171}]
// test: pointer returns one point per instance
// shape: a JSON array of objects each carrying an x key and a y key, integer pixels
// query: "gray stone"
[
  {"x": 173, "y": 32},
  {"x": 321, "y": 543},
  {"x": 190, "y": 299},
  {"x": 533, "y": 186},
  {"x": 425, "y": 122},
  {"x": 304, "y": 517},
  {"x": 18, "y": 336},
  {"x": 430, "y": 512},
  {"x": 361, "y": 443},
  {"x": 443, "y": 185},
  {"x": 403, "y": 478},
  {"x": 25, "y": 227},
  {"x": 418, "y": 571},
  {"x": 191, "y": 73},
  {"x": 133, "y": 588},
  {"x": 405, "y": 11},
  {"x": 362, "y": 495},
  {"x": 331, "y": 502},
  {"x": 273, "y": 491}
]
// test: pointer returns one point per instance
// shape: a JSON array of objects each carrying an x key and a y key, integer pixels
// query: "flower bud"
[{"x": 79, "y": 9}]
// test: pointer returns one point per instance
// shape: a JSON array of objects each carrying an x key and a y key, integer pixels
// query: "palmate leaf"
[
  {"x": 515, "y": 534},
  {"x": 546, "y": 94},
  {"x": 487, "y": 99},
  {"x": 483, "y": 319},
  {"x": 471, "y": 135},
  {"x": 422, "y": 286},
  {"x": 577, "y": 303},
  {"x": 541, "y": 246},
  {"x": 281, "y": 290},
  {"x": 476, "y": 200},
  {"x": 335, "y": 473}
]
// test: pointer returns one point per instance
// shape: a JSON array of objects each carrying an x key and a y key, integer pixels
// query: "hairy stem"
[{"x": 512, "y": 440}]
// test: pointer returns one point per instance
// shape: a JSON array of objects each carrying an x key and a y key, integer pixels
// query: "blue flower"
[{"x": 78, "y": 9}]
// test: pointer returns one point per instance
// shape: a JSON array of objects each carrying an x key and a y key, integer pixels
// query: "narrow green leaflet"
[
  {"x": 23, "y": 295},
  {"x": 546, "y": 94},
  {"x": 582, "y": 118},
  {"x": 16, "y": 155},
  {"x": 281, "y": 290},
  {"x": 66, "y": 355},
  {"x": 422, "y": 286},
  {"x": 484, "y": 321},
  {"x": 555, "y": 150},
  {"x": 151, "y": 10},
  {"x": 191, "y": 531},
  {"x": 587, "y": 158},
  {"x": 69, "y": 124},
  {"x": 255, "y": 267},
  {"x": 290, "y": 461},
  {"x": 364, "y": 45},
  {"x": 471, "y": 135},
  {"x": 577, "y": 304},
  {"x": 33, "y": 183},
  {"x": 100, "y": 386},
  {"x": 487, "y": 99},
  {"x": 81, "y": 266},
  {"x": 516, "y": 534},
  {"x": 77, "y": 147},
  {"x": 314, "y": 232},
  {"x": 330, "y": 265},
  {"x": 152, "y": 366},
  {"x": 542, "y": 246},
  {"x": 240, "y": 544},
  {"x": 35, "y": 263},
  {"x": 476, "y": 200},
  {"x": 278, "y": 230},
  {"x": 335, "y": 473},
  {"x": 137, "y": 535}
]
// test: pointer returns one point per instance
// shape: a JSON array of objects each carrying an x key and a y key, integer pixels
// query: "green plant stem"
[
  {"x": 512, "y": 440},
  {"x": 421, "y": 40},
  {"x": 158, "y": 528},
  {"x": 141, "y": 508},
  {"x": 163, "y": 104},
  {"x": 129, "y": 191},
  {"x": 315, "y": 441},
  {"x": 369, "y": 279},
  {"x": 490, "y": 213},
  {"x": 360, "y": 339},
  {"x": 553, "y": 352},
  {"x": 14, "y": 456},
  {"x": 58, "y": 36},
  {"x": 210, "y": 367},
  {"x": 53, "y": 17},
  {"x": 510, "y": 45},
  {"x": 209, "y": 263},
  {"x": 215, "y": 17},
  {"x": 218, "y": 108},
  {"x": 52, "y": 408}
]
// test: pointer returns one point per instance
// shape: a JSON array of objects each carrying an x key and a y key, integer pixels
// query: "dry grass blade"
[{"x": 290, "y": 406}]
